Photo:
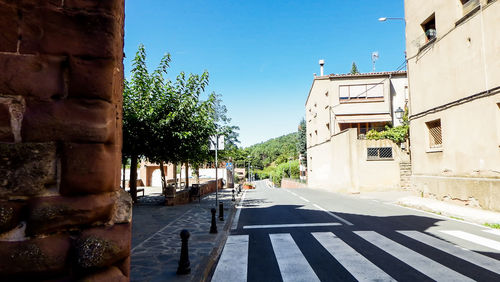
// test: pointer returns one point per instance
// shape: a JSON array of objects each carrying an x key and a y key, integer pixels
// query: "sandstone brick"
[
  {"x": 124, "y": 266},
  {"x": 56, "y": 213},
  {"x": 88, "y": 168},
  {"x": 91, "y": 78},
  {"x": 103, "y": 246},
  {"x": 55, "y": 31},
  {"x": 122, "y": 212},
  {"x": 35, "y": 258},
  {"x": 111, "y": 7},
  {"x": 26, "y": 169},
  {"x": 6, "y": 134},
  {"x": 28, "y": 75},
  {"x": 110, "y": 274},
  {"x": 10, "y": 215},
  {"x": 72, "y": 120},
  {"x": 8, "y": 26}
]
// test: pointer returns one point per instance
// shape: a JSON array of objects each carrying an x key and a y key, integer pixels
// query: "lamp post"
[
  {"x": 383, "y": 19},
  {"x": 399, "y": 114},
  {"x": 248, "y": 173}
]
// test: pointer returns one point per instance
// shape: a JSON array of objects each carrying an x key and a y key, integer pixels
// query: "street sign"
[
  {"x": 229, "y": 166},
  {"x": 213, "y": 141}
]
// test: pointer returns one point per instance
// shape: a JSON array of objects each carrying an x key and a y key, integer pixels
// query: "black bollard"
[
  {"x": 233, "y": 199},
  {"x": 239, "y": 188},
  {"x": 184, "y": 264},
  {"x": 213, "y": 226},
  {"x": 221, "y": 211}
]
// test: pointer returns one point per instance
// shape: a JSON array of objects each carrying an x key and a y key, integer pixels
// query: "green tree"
[
  {"x": 137, "y": 109},
  {"x": 302, "y": 142},
  {"x": 354, "y": 68}
]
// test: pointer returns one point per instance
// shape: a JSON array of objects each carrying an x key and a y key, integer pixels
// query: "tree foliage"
[
  {"x": 354, "y": 68},
  {"x": 165, "y": 121},
  {"x": 398, "y": 134}
]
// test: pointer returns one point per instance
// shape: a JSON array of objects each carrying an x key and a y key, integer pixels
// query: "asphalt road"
[{"x": 312, "y": 235}]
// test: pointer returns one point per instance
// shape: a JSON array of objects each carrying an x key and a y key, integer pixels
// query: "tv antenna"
[{"x": 374, "y": 59}]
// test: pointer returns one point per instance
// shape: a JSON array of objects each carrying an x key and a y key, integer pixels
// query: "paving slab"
[{"x": 156, "y": 241}]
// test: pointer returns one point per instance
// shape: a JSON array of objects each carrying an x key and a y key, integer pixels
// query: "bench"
[
  {"x": 138, "y": 191},
  {"x": 195, "y": 191}
]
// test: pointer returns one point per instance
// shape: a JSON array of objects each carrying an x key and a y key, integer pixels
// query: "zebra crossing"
[{"x": 294, "y": 266}]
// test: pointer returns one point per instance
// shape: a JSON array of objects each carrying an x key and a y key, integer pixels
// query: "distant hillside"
[{"x": 276, "y": 150}]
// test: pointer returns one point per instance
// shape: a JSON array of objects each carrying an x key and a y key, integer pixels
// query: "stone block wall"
[{"x": 62, "y": 214}]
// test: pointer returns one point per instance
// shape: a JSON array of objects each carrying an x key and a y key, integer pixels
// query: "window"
[
  {"x": 469, "y": 5},
  {"x": 382, "y": 153},
  {"x": 429, "y": 27},
  {"x": 362, "y": 92},
  {"x": 435, "y": 137}
]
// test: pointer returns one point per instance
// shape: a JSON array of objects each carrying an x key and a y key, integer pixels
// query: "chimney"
[{"x": 321, "y": 64}]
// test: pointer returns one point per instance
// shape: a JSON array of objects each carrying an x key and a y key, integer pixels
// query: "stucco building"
[
  {"x": 340, "y": 110},
  {"x": 453, "y": 53}
]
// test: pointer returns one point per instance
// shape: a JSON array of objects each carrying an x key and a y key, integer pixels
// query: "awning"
[{"x": 364, "y": 118}]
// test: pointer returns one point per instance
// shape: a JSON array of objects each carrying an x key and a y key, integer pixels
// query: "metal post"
[
  {"x": 216, "y": 181},
  {"x": 221, "y": 211},
  {"x": 213, "y": 226},
  {"x": 184, "y": 264}
]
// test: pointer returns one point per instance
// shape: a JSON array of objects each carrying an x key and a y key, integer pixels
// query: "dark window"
[
  {"x": 381, "y": 153},
  {"x": 429, "y": 27}
]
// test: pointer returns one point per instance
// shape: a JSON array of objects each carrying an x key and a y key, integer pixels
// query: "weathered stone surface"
[
  {"x": 109, "y": 7},
  {"x": 8, "y": 26},
  {"x": 6, "y": 134},
  {"x": 10, "y": 215},
  {"x": 51, "y": 214},
  {"x": 91, "y": 78},
  {"x": 110, "y": 274},
  {"x": 88, "y": 168},
  {"x": 124, "y": 266},
  {"x": 31, "y": 258},
  {"x": 29, "y": 75},
  {"x": 123, "y": 207},
  {"x": 26, "y": 169},
  {"x": 43, "y": 30},
  {"x": 103, "y": 246},
  {"x": 11, "y": 115},
  {"x": 71, "y": 120}
]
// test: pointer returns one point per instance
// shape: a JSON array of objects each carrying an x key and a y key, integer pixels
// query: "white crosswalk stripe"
[
  {"x": 233, "y": 263},
  {"x": 292, "y": 263},
  {"x": 360, "y": 267},
  {"x": 474, "y": 238},
  {"x": 470, "y": 256},
  {"x": 419, "y": 262}
]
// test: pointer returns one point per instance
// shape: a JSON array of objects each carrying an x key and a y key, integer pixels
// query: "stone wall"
[
  {"x": 62, "y": 214},
  {"x": 182, "y": 197},
  {"x": 292, "y": 183}
]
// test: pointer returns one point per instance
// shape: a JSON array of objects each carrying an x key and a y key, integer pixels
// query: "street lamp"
[
  {"x": 399, "y": 113},
  {"x": 248, "y": 173},
  {"x": 385, "y": 19}
]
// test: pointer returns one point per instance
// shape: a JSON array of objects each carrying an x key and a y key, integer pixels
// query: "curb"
[{"x": 209, "y": 264}]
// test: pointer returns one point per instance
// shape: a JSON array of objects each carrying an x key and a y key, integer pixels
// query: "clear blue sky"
[{"x": 261, "y": 54}]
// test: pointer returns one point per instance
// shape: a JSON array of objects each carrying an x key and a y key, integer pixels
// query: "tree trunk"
[
  {"x": 175, "y": 175},
  {"x": 133, "y": 177},
  {"x": 163, "y": 183},
  {"x": 187, "y": 174},
  {"x": 197, "y": 169},
  {"x": 123, "y": 178}
]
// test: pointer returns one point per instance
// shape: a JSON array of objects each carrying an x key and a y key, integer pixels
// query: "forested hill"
[{"x": 276, "y": 150}]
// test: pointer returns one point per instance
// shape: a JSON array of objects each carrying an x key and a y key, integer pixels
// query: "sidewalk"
[
  {"x": 156, "y": 242},
  {"x": 458, "y": 212}
]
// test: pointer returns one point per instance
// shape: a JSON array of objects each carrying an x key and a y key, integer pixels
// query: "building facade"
[
  {"x": 453, "y": 54},
  {"x": 340, "y": 110}
]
